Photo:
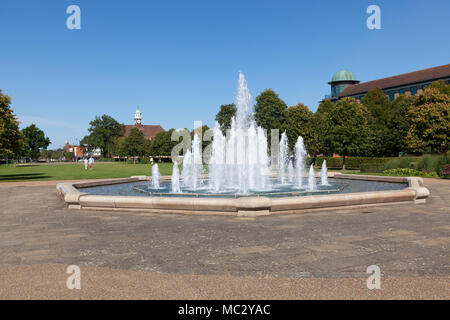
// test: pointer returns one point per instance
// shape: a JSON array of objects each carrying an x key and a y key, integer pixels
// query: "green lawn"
[{"x": 74, "y": 171}]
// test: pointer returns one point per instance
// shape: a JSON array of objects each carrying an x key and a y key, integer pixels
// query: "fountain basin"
[{"x": 249, "y": 205}]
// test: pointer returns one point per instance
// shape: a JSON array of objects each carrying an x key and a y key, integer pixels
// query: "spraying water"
[
  {"x": 300, "y": 156},
  {"x": 175, "y": 178},
  {"x": 291, "y": 172},
  {"x": 312, "y": 186},
  {"x": 155, "y": 176},
  {"x": 193, "y": 165},
  {"x": 240, "y": 161},
  {"x": 283, "y": 158},
  {"x": 324, "y": 174}
]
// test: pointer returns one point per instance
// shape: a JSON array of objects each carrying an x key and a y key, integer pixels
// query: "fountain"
[
  {"x": 324, "y": 174},
  {"x": 175, "y": 179},
  {"x": 291, "y": 172},
  {"x": 312, "y": 186},
  {"x": 283, "y": 158},
  {"x": 240, "y": 161},
  {"x": 193, "y": 165},
  {"x": 155, "y": 176},
  {"x": 300, "y": 155},
  {"x": 240, "y": 181}
]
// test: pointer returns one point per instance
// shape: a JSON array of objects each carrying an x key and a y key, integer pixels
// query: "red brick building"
[{"x": 149, "y": 131}]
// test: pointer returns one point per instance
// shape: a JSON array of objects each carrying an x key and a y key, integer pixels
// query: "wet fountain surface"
[{"x": 277, "y": 189}]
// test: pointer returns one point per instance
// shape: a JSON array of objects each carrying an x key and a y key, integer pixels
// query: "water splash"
[
  {"x": 239, "y": 161},
  {"x": 300, "y": 158},
  {"x": 324, "y": 174},
  {"x": 155, "y": 176},
  {"x": 175, "y": 178},
  {"x": 283, "y": 158},
  {"x": 312, "y": 186}
]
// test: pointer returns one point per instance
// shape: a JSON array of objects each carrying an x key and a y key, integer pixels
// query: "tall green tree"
[
  {"x": 270, "y": 111},
  {"x": 35, "y": 140},
  {"x": 379, "y": 107},
  {"x": 224, "y": 116},
  {"x": 320, "y": 126},
  {"x": 162, "y": 144},
  {"x": 398, "y": 125},
  {"x": 349, "y": 130},
  {"x": 104, "y": 131},
  {"x": 11, "y": 139},
  {"x": 133, "y": 145},
  {"x": 429, "y": 117},
  {"x": 299, "y": 122}
]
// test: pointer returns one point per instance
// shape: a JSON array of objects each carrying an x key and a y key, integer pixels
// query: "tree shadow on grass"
[{"x": 22, "y": 176}]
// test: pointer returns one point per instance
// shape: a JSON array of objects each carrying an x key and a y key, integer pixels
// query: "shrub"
[
  {"x": 407, "y": 172},
  {"x": 403, "y": 162},
  {"x": 353, "y": 162}
]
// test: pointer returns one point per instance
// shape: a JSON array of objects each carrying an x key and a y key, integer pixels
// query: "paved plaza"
[{"x": 143, "y": 255}]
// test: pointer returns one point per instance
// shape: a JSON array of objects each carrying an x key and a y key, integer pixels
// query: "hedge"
[{"x": 354, "y": 162}]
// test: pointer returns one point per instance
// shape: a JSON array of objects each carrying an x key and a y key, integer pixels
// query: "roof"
[
  {"x": 343, "y": 75},
  {"x": 149, "y": 131},
  {"x": 398, "y": 81}
]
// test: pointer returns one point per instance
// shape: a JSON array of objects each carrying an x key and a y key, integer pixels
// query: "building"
[
  {"x": 78, "y": 151},
  {"x": 344, "y": 83},
  {"x": 149, "y": 131}
]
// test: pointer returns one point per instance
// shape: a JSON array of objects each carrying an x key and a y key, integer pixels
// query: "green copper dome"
[{"x": 343, "y": 75}]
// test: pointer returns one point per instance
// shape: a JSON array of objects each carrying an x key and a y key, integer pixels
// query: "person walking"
[
  {"x": 86, "y": 163},
  {"x": 91, "y": 163}
]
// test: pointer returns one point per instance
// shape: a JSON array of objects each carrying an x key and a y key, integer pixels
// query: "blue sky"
[{"x": 179, "y": 60}]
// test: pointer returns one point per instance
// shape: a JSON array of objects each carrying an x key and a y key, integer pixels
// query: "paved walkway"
[{"x": 39, "y": 236}]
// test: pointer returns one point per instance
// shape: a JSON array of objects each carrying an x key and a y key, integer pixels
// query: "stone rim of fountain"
[{"x": 243, "y": 206}]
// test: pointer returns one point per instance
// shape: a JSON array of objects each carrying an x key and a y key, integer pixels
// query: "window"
[
  {"x": 402, "y": 91},
  {"x": 391, "y": 95},
  {"x": 413, "y": 90}
]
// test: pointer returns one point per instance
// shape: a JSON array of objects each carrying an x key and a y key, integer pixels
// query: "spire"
[{"x": 138, "y": 117}]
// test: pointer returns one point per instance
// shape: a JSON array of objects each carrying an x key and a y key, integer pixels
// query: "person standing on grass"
[
  {"x": 91, "y": 163},
  {"x": 86, "y": 163}
]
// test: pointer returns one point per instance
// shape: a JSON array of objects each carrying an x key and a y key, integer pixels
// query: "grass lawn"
[{"x": 69, "y": 171}]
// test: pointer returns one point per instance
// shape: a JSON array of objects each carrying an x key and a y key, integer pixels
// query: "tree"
[
  {"x": 104, "y": 132},
  {"x": 398, "y": 125},
  {"x": 133, "y": 145},
  {"x": 379, "y": 106},
  {"x": 441, "y": 86},
  {"x": 162, "y": 144},
  {"x": 429, "y": 117},
  {"x": 35, "y": 140},
  {"x": 11, "y": 139},
  {"x": 349, "y": 130},
  {"x": 320, "y": 126},
  {"x": 299, "y": 122},
  {"x": 270, "y": 111},
  {"x": 224, "y": 116}
]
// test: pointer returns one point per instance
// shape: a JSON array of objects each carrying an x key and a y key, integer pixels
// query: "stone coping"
[{"x": 244, "y": 206}]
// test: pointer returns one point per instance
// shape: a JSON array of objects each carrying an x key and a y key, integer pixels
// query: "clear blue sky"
[{"x": 179, "y": 60}]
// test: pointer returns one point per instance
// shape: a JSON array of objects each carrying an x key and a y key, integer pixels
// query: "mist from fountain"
[
  {"x": 312, "y": 185},
  {"x": 193, "y": 165},
  {"x": 155, "y": 176},
  {"x": 175, "y": 179},
  {"x": 291, "y": 172},
  {"x": 324, "y": 174},
  {"x": 300, "y": 158},
  {"x": 283, "y": 158}
]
